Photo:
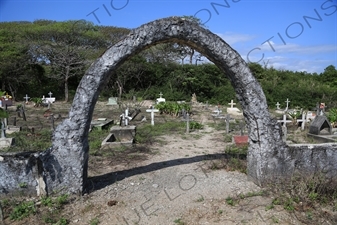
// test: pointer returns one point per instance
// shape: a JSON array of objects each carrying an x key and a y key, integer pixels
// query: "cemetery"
[{"x": 134, "y": 159}]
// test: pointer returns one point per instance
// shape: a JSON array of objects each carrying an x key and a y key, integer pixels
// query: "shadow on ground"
[{"x": 101, "y": 181}]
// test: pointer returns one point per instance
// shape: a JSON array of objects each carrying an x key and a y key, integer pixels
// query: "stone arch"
[{"x": 66, "y": 161}]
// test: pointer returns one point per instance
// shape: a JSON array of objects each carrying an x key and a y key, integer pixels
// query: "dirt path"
[{"x": 176, "y": 186}]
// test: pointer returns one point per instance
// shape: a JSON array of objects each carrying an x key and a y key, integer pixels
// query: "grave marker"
[
  {"x": 228, "y": 117},
  {"x": 187, "y": 120},
  {"x": 278, "y": 105},
  {"x": 302, "y": 121},
  {"x": 161, "y": 99},
  {"x": 287, "y": 104},
  {"x": 242, "y": 127},
  {"x": 284, "y": 122},
  {"x": 52, "y": 120},
  {"x": 232, "y": 103},
  {"x": 152, "y": 111},
  {"x": 26, "y": 98}
]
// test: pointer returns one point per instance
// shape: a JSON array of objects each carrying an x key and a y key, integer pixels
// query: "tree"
[
  {"x": 66, "y": 47},
  {"x": 329, "y": 76},
  {"x": 17, "y": 67}
]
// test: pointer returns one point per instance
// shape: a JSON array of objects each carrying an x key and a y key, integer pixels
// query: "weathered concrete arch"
[{"x": 67, "y": 160}]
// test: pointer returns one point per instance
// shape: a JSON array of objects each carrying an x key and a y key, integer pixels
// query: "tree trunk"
[{"x": 66, "y": 89}]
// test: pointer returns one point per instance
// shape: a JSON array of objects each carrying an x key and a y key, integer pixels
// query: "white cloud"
[
  {"x": 232, "y": 38},
  {"x": 298, "y": 49}
]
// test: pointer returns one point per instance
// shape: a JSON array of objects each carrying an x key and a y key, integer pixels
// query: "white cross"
[
  {"x": 303, "y": 120},
  {"x": 287, "y": 103},
  {"x": 26, "y": 98},
  {"x": 161, "y": 95},
  {"x": 284, "y": 120},
  {"x": 232, "y": 103},
  {"x": 152, "y": 111},
  {"x": 50, "y": 94},
  {"x": 278, "y": 105}
]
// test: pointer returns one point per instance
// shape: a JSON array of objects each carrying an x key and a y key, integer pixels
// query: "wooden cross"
[{"x": 232, "y": 104}]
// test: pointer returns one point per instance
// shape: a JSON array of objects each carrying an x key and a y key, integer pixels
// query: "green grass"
[
  {"x": 27, "y": 141},
  {"x": 22, "y": 210}
]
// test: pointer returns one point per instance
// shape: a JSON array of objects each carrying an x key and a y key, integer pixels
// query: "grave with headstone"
[
  {"x": 160, "y": 99},
  {"x": 112, "y": 101},
  {"x": 6, "y": 100},
  {"x": 50, "y": 99},
  {"x": 242, "y": 139},
  {"x": 233, "y": 110}
]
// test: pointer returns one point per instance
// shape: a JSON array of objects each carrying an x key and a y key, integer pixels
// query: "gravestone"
[
  {"x": 318, "y": 124},
  {"x": 233, "y": 110},
  {"x": 112, "y": 101},
  {"x": 50, "y": 99},
  {"x": 160, "y": 99}
]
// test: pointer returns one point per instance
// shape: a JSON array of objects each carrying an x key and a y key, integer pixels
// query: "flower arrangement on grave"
[
  {"x": 5, "y": 95},
  {"x": 37, "y": 101}
]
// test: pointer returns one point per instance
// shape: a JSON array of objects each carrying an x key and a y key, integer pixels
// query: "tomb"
[
  {"x": 119, "y": 135},
  {"x": 101, "y": 123},
  {"x": 321, "y": 130},
  {"x": 318, "y": 124}
]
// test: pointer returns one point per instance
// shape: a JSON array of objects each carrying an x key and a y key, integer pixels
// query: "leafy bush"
[
  {"x": 332, "y": 116},
  {"x": 24, "y": 209}
]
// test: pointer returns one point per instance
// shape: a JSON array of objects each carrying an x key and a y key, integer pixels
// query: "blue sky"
[{"x": 298, "y": 35}]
